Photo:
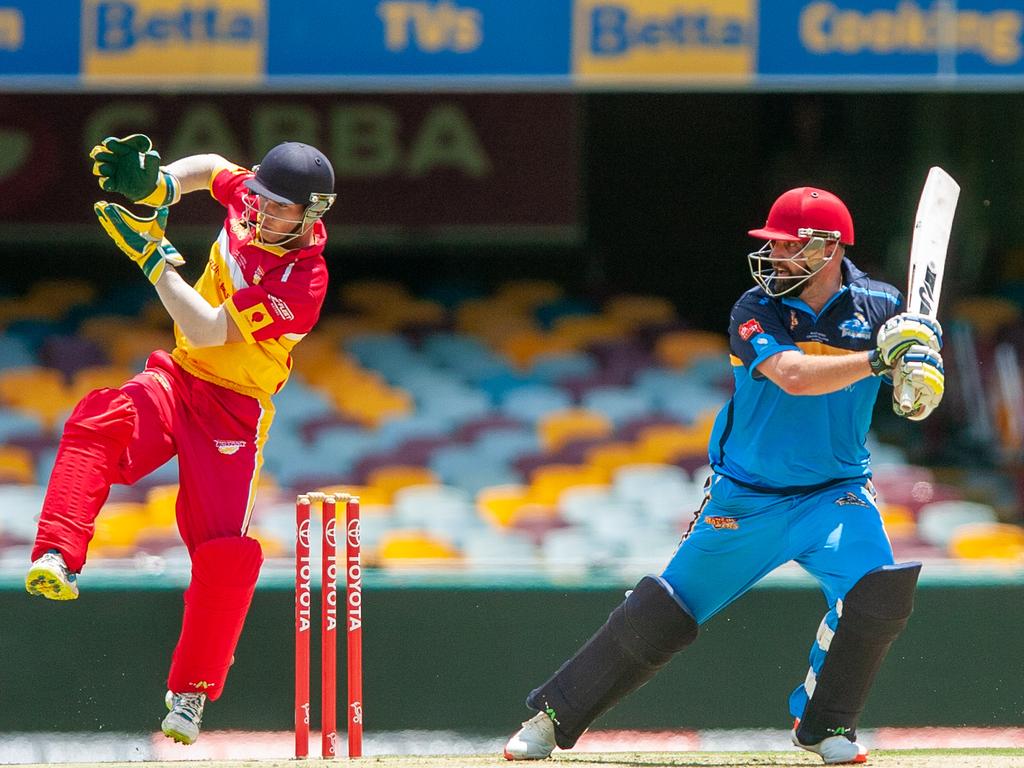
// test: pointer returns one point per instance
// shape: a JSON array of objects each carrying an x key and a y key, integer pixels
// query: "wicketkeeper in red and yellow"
[{"x": 209, "y": 401}]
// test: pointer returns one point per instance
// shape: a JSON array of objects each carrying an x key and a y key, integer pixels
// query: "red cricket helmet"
[{"x": 799, "y": 211}]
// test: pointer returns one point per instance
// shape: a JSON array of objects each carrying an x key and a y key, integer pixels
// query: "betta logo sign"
[
  {"x": 126, "y": 40},
  {"x": 122, "y": 25}
]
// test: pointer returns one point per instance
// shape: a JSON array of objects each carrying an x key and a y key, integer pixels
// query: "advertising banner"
[
  {"x": 407, "y": 166},
  {"x": 39, "y": 38},
  {"x": 420, "y": 38},
  {"x": 173, "y": 41},
  {"x": 893, "y": 38},
  {"x": 624, "y": 41}
]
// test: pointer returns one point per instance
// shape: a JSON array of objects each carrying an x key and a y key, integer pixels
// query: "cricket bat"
[{"x": 932, "y": 226}]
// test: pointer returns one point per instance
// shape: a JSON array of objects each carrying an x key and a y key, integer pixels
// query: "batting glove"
[
  {"x": 901, "y": 332},
  {"x": 131, "y": 167},
  {"x": 141, "y": 238},
  {"x": 918, "y": 383}
]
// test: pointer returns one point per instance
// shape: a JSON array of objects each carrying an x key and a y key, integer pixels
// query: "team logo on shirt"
[
  {"x": 239, "y": 229},
  {"x": 856, "y": 327},
  {"x": 749, "y": 328},
  {"x": 720, "y": 523},
  {"x": 851, "y": 499},
  {"x": 229, "y": 447}
]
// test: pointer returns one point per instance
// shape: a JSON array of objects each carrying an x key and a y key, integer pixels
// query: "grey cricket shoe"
[
  {"x": 50, "y": 577},
  {"x": 534, "y": 741},
  {"x": 185, "y": 717},
  {"x": 835, "y": 750}
]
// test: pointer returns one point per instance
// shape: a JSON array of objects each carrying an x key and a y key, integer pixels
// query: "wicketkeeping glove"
[
  {"x": 131, "y": 167},
  {"x": 918, "y": 383},
  {"x": 142, "y": 238}
]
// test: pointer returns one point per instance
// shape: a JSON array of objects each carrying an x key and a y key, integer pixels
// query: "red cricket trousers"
[{"x": 121, "y": 435}]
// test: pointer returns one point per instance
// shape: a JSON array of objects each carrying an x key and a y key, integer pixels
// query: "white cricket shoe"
[
  {"x": 50, "y": 577},
  {"x": 835, "y": 750},
  {"x": 185, "y": 718},
  {"x": 534, "y": 741}
]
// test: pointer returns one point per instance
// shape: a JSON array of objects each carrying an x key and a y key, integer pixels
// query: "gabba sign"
[{"x": 155, "y": 41}]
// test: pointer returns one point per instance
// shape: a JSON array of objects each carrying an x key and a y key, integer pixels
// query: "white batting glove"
[
  {"x": 918, "y": 383},
  {"x": 901, "y": 332}
]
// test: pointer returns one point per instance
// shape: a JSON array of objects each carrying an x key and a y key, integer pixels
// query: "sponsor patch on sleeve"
[
  {"x": 749, "y": 328},
  {"x": 257, "y": 317}
]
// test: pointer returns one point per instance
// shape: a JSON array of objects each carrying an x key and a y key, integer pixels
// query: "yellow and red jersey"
[{"x": 274, "y": 294}]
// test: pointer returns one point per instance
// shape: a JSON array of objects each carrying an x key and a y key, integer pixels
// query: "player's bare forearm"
[
  {"x": 799, "y": 374},
  {"x": 195, "y": 171},
  {"x": 204, "y": 325}
]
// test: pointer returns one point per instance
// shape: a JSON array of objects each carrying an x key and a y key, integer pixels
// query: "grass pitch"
[{"x": 914, "y": 758}]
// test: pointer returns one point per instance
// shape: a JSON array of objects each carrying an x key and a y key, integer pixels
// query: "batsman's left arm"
[{"x": 203, "y": 324}]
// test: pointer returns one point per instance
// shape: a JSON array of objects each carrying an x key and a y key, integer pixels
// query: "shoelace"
[{"x": 190, "y": 705}]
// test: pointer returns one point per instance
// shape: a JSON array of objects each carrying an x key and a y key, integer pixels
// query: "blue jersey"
[{"x": 768, "y": 439}]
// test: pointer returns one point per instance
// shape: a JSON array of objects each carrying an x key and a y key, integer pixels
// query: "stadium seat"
[
  {"x": 499, "y": 504},
  {"x": 989, "y": 541},
  {"x": 938, "y": 521},
  {"x": 530, "y": 404},
  {"x": 678, "y": 349},
  {"x": 558, "y": 428},
  {"x": 548, "y": 482},
  {"x": 389, "y": 479},
  {"x": 414, "y": 549},
  {"x": 636, "y": 310}
]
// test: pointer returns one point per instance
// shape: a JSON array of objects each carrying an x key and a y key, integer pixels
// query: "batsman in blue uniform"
[{"x": 811, "y": 344}]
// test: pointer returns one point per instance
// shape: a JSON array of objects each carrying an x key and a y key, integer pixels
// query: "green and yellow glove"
[
  {"x": 140, "y": 237},
  {"x": 131, "y": 167}
]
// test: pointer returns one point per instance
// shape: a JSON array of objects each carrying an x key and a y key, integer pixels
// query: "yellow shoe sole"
[
  {"x": 43, "y": 582},
  {"x": 177, "y": 737}
]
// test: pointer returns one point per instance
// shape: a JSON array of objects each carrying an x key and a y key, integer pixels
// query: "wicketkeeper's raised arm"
[{"x": 131, "y": 167}]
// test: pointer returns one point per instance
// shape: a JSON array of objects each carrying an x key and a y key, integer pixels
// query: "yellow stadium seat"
[
  {"x": 365, "y": 398},
  {"x": 40, "y": 391},
  {"x": 97, "y": 376},
  {"x": 367, "y": 295},
  {"x": 160, "y": 505},
  {"x": 523, "y": 347},
  {"x": 119, "y": 525},
  {"x": 579, "y": 331},
  {"x": 664, "y": 443},
  {"x": 611, "y": 456},
  {"x": 390, "y": 478},
  {"x": 548, "y": 482},
  {"x": 898, "y": 520},
  {"x": 997, "y": 541},
  {"x": 135, "y": 346},
  {"x": 16, "y": 465},
  {"x": 62, "y": 294},
  {"x": 529, "y": 294},
  {"x": 562, "y": 427},
  {"x": 395, "y": 314},
  {"x": 402, "y": 549},
  {"x": 635, "y": 310},
  {"x": 492, "y": 319},
  {"x": 499, "y": 504},
  {"x": 986, "y": 314},
  {"x": 677, "y": 349}
]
